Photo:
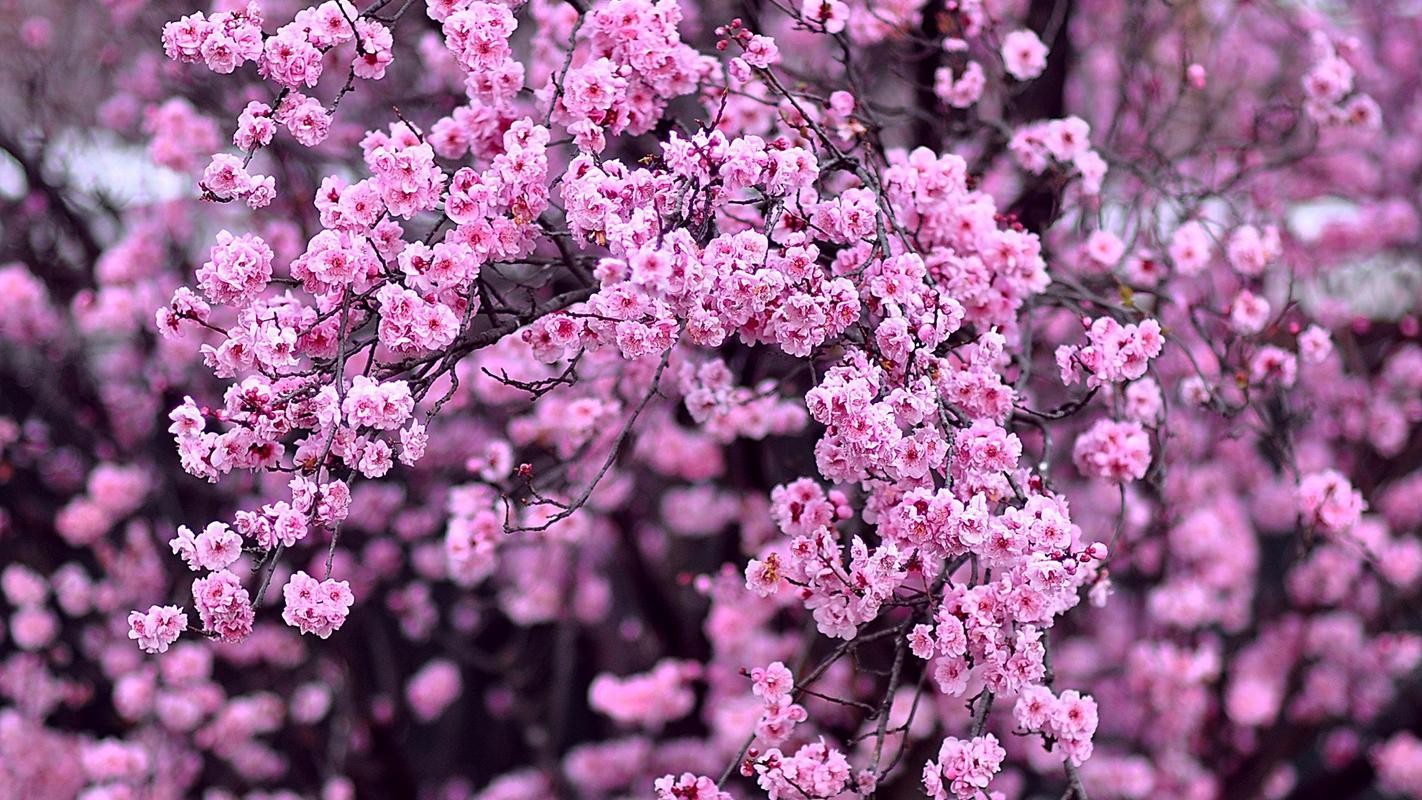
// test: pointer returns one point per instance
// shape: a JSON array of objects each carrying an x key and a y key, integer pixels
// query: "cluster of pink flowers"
[
  {"x": 688, "y": 787},
  {"x": 1063, "y": 143},
  {"x": 678, "y": 394},
  {"x": 227, "y": 178},
  {"x": 213, "y": 549},
  {"x": 1069, "y": 719},
  {"x": 478, "y": 33},
  {"x": 224, "y": 41},
  {"x": 382, "y": 406},
  {"x": 308, "y": 121},
  {"x": 180, "y": 138},
  {"x": 238, "y": 270},
  {"x": 158, "y": 628},
  {"x": 964, "y": 768},
  {"x": 728, "y": 412},
  {"x": 1332, "y": 98},
  {"x": 27, "y": 316},
  {"x": 1399, "y": 765},
  {"x": 651, "y": 699},
  {"x": 32, "y": 625},
  {"x": 634, "y": 63},
  {"x": 775, "y": 686},
  {"x": 224, "y": 606},
  {"x": 1328, "y": 501},
  {"x": 114, "y": 768},
  {"x": 814, "y": 770},
  {"x": 256, "y": 127},
  {"x": 1115, "y": 353},
  {"x": 1116, "y": 451},
  {"x": 292, "y": 56},
  {"x": 318, "y": 607}
]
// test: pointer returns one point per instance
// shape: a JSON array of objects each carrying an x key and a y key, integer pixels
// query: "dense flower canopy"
[{"x": 702, "y": 400}]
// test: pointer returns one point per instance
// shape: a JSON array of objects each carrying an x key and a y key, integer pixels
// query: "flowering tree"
[{"x": 636, "y": 398}]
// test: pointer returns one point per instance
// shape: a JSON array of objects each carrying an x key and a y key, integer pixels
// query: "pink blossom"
[
  {"x": 1105, "y": 248},
  {"x": 963, "y": 768},
  {"x": 829, "y": 14},
  {"x": 316, "y": 607},
  {"x": 772, "y": 683},
  {"x": 157, "y": 629},
  {"x": 224, "y": 606},
  {"x": 1023, "y": 54},
  {"x": 650, "y": 699},
  {"x": 1399, "y": 764},
  {"x": 1117, "y": 451},
  {"x": 432, "y": 688},
  {"x": 688, "y": 787},
  {"x": 238, "y": 269},
  {"x": 1328, "y": 500}
]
